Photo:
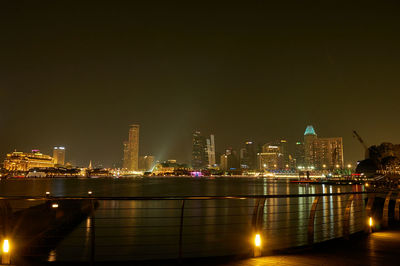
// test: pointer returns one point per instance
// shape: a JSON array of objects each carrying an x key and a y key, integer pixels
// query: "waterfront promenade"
[{"x": 379, "y": 248}]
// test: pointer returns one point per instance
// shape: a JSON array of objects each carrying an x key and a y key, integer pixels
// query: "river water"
[{"x": 136, "y": 230}]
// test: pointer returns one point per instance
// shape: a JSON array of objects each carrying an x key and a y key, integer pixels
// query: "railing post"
[
  {"x": 385, "y": 215},
  {"x": 397, "y": 208},
  {"x": 92, "y": 231},
  {"x": 346, "y": 222},
  {"x": 257, "y": 222},
  {"x": 368, "y": 209},
  {"x": 260, "y": 215},
  {"x": 5, "y": 241},
  {"x": 254, "y": 217},
  {"x": 181, "y": 230},
  {"x": 311, "y": 220}
]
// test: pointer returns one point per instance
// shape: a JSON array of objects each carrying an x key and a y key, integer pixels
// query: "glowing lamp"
[
  {"x": 257, "y": 240},
  {"x": 54, "y": 205},
  {"x": 6, "y": 246}
]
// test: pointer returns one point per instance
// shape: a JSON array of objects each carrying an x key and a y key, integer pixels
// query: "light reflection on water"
[{"x": 150, "y": 229}]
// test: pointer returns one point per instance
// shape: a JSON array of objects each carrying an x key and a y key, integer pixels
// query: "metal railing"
[{"x": 142, "y": 228}]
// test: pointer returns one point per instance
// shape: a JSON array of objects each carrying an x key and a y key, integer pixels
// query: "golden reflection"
[{"x": 52, "y": 255}]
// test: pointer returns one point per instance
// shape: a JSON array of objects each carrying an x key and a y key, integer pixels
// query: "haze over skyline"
[{"x": 77, "y": 74}]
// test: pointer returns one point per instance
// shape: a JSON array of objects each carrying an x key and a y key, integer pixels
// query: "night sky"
[{"x": 77, "y": 73}]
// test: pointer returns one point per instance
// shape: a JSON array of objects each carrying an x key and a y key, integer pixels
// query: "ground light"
[
  {"x": 370, "y": 223},
  {"x": 6, "y": 246},
  {"x": 257, "y": 245},
  {"x": 5, "y": 256}
]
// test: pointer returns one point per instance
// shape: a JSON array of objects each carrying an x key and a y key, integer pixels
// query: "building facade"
[
  {"x": 269, "y": 158},
  {"x": 131, "y": 149},
  {"x": 248, "y": 156},
  {"x": 146, "y": 163},
  {"x": 59, "y": 155},
  {"x": 211, "y": 151},
  {"x": 309, "y": 153},
  {"x": 328, "y": 153},
  {"x": 299, "y": 154},
  {"x": 199, "y": 151},
  {"x": 322, "y": 153},
  {"x": 21, "y": 161}
]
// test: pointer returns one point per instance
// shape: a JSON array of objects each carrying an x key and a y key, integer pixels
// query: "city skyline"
[
  {"x": 204, "y": 153},
  {"x": 76, "y": 76}
]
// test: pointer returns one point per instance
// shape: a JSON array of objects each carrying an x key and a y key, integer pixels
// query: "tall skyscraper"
[
  {"x": 248, "y": 156},
  {"x": 283, "y": 161},
  {"x": 224, "y": 162},
  {"x": 199, "y": 151},
  {"x": 309, "y": 137},
  {"x": 59, "y": 155},
  {"x": 233, "y": 162},
  {"x": 269, "y": 157},
  {"x": 211, "y": 150},
  {"x": 328, "y": 153},
  {"x": 131, "y": 149},
  {"x": 322, "y": 153},
  {"x": 299, "y": 154}
]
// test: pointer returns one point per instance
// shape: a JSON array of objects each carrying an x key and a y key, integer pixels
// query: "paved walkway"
[{"x": 379, "y": 248}]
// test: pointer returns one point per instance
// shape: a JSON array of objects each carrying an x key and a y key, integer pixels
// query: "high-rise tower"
[
  {"x": 59, "y": 155},
  {"x": 199, "y": 151},
  {"x": 322, "y": 153},
  {"x": 131, "y": 149},
  {"x": 248, "y": 156},
  {"x": 211, "y": 150},
  {"x": 309, "y": 137}
]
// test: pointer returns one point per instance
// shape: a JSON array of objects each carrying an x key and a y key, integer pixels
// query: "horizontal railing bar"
[{"x": 241, "y": 197}]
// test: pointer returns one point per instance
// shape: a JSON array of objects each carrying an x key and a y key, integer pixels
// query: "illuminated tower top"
[{"x": 310, "y": 131}]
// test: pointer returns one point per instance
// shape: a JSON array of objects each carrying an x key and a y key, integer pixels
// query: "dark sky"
[{"x": 77, "y": 73}]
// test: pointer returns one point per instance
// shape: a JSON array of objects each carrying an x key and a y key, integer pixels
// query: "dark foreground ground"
[{"x": 379, "y": 248}]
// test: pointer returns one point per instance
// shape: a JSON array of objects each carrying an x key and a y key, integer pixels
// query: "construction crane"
[{"x": 355, "y": 134}]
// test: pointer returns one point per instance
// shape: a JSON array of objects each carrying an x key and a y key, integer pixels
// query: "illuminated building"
[
  {"x": 224, "y": 162},
  {"x": 146, "y": 163},
  {"x": 131, "y": 149},
  {"x": 248, "y": 156},
  {"x": 211, "y": 150},
  {"x": 299, "y": 154},
  {"x": 199, "y": 151},
  {"x": 283, "y": 161},
  {"x": 268, "y": 159},
  {"x": 59, "y": 155},
  {"x": 170, "y": 167},
  {"x": 233, "y": 162},
  {"x": 328, "y": 153},
  {"x": 21, "y": 161},
  {"x": 309, "y": 137},
  {"x": 322, "y": 153}
]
